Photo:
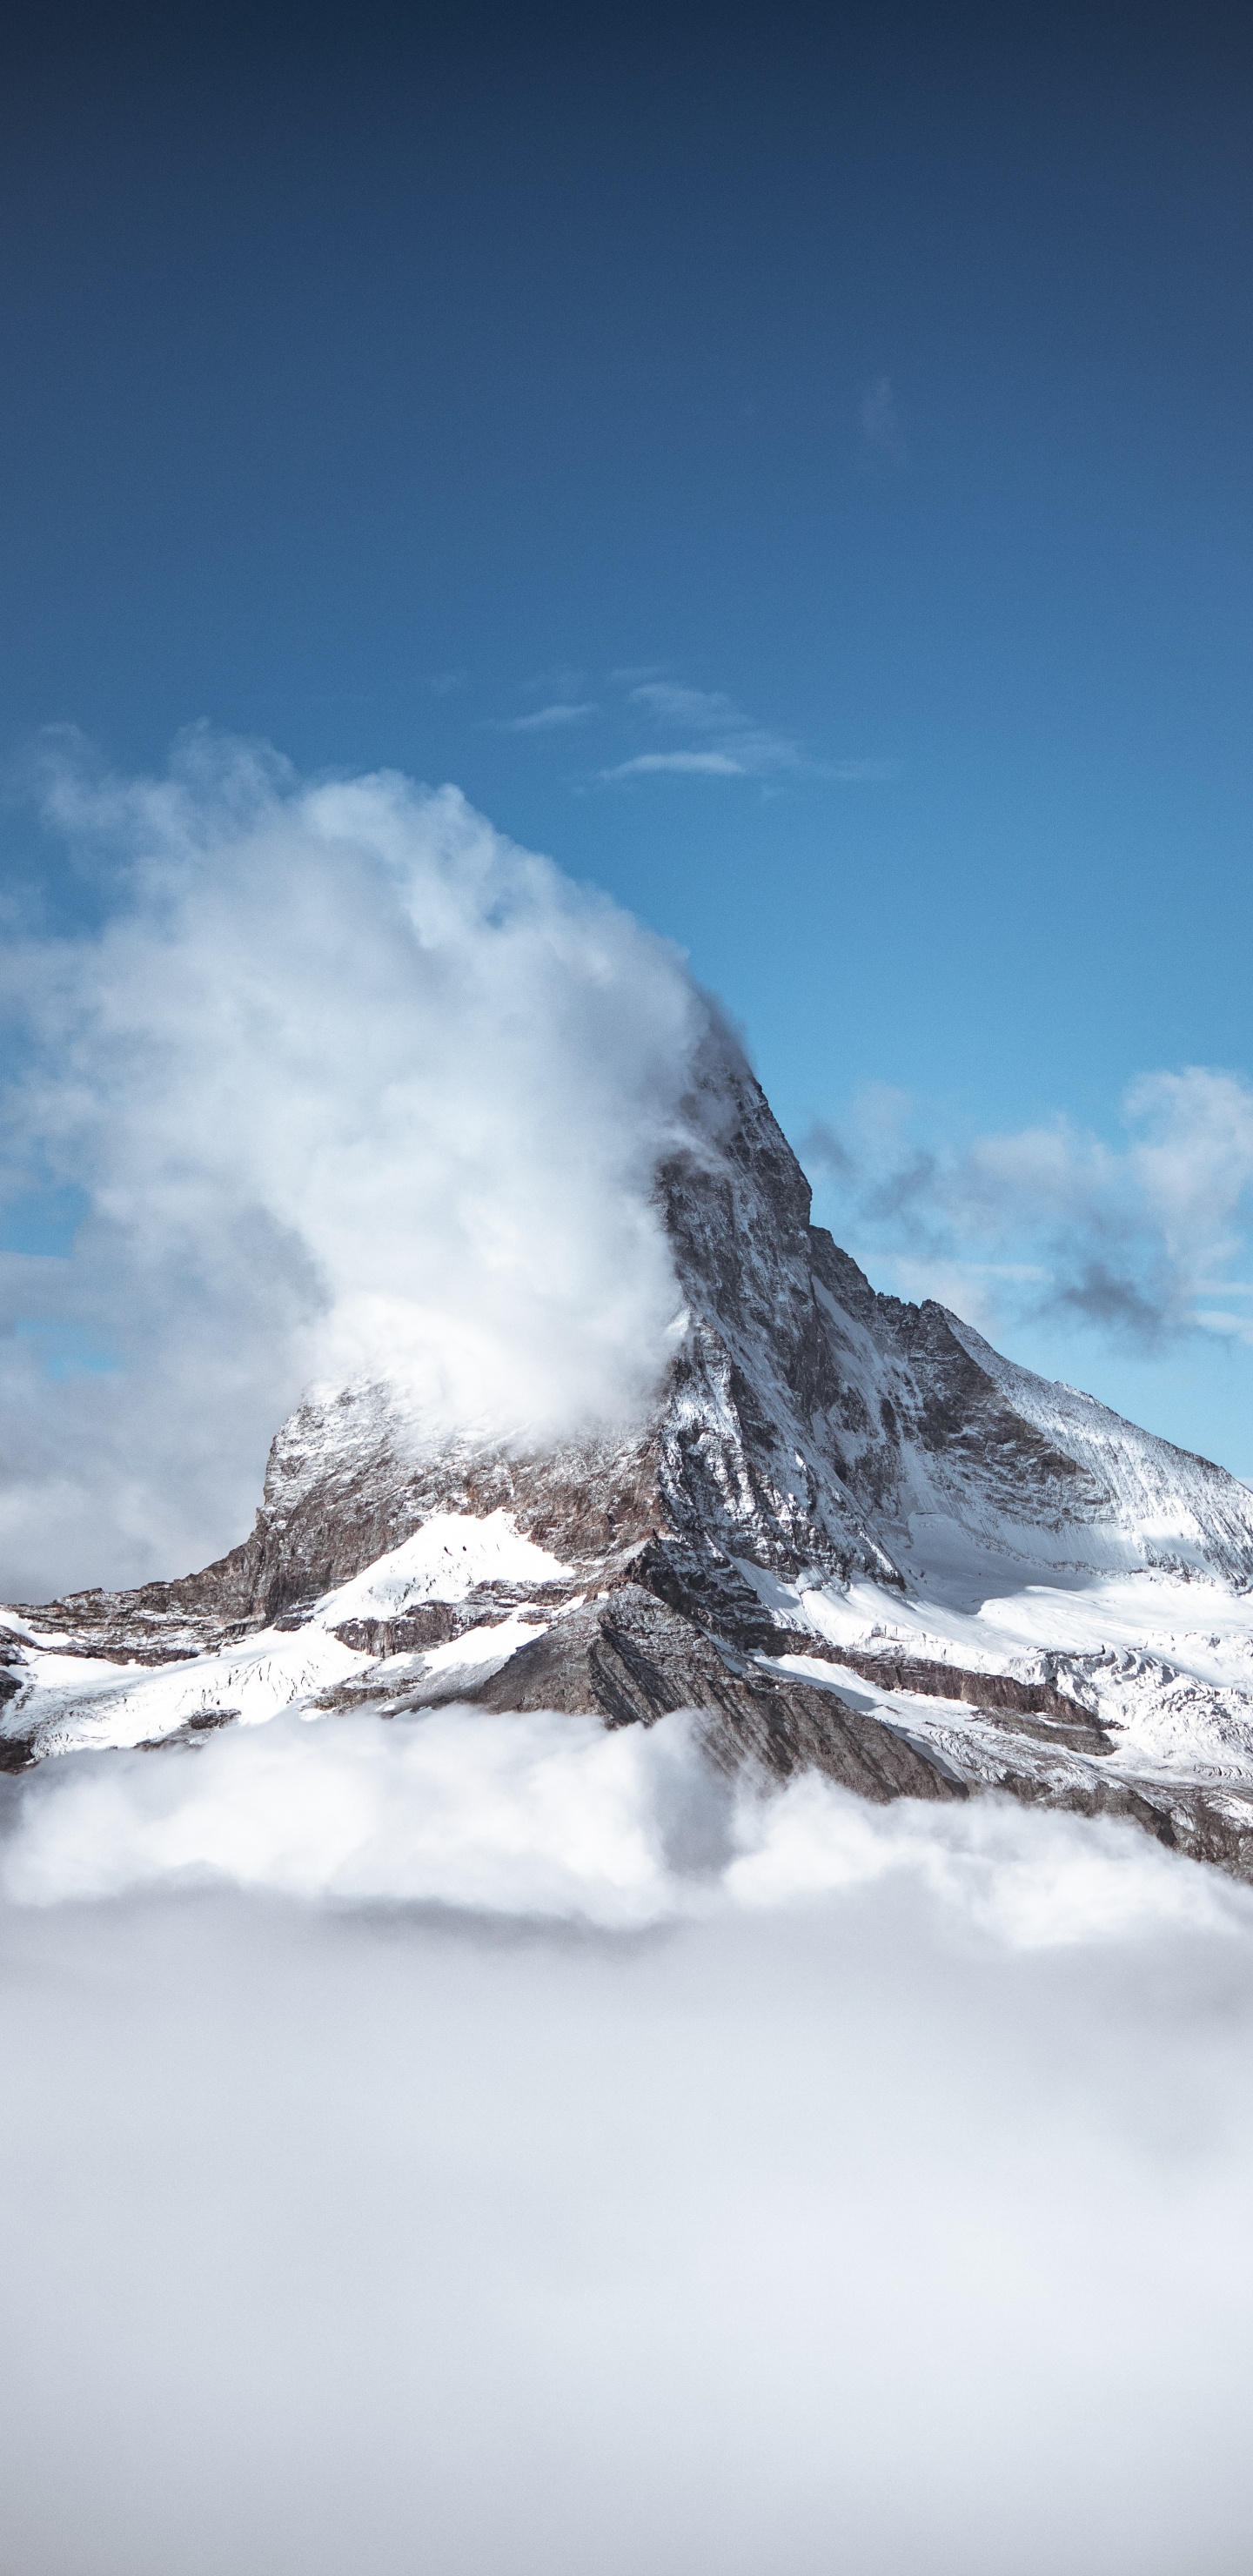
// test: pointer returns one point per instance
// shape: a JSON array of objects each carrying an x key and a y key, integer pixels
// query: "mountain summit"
[{"x": 849, "y": 1533}]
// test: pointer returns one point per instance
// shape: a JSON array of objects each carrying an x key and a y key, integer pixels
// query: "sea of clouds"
[
  {"x": 342, "y": 1084},
  {"x": 476, "y": 2144}
]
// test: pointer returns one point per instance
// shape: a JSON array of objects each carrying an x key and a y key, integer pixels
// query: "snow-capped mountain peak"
[{"x": 848, "y": 1531}]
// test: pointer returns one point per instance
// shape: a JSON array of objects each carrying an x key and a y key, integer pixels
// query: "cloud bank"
[
  {"x": 344, "y": 1084},
  {"x": 514, "y": 2151},
  {"x": 559, "y": 1819}
]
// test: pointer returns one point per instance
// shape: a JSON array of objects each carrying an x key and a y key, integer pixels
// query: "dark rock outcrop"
[{"x": 632, "y": 1659}]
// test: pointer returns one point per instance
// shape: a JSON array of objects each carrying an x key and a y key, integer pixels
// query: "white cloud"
[
  {"x": 1236, "y": 1328},
  {"x": 735, "y": 745},
  {"x": 575, "y": 2170},
  {"x": 352, "y": 1085},
  {"x": 700, "y": 710},
  {"x": 550, "y": 719},
  {"x": 560, "y": 1819},
  {"x": 1194, "y": 1158},
  {"x": 698, "y": 764},
  {"x": 1125, "y": 1237},
  {"x": 554, "y": 1817},
  {"x": 741, "y": 748}
]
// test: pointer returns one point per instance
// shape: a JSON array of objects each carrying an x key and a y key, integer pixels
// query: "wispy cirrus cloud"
[
  {"x": 551, "y": 719},
  {"x": 729, "y": 743},
  {"x": 701, "y": 710},
  {"x": 1236, "y": 1328},
  {"x": 722, "y": 740},
  {"x": 879, "y": 423},
  {"x": 695, "y": 764},
  {"x": 1131, "y": 1238},
  {"x": 744, "y": 748}
]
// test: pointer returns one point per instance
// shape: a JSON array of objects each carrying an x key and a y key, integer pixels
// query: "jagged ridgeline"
[{"x": 849, "y": 1534}]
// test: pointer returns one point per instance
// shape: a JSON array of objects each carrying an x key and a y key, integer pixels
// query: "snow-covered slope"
[{"x": 850, "y": 1531}]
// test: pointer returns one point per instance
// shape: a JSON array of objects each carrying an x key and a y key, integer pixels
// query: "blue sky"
[{"x": 796, "y": 472}]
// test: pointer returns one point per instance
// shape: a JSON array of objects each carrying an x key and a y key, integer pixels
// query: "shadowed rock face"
[
  {"x": 806, "y": 1427},
  {"x": 636, "y": 1660}
]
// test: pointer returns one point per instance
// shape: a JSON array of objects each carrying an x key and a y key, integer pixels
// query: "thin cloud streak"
[
  {"x": 703, "y": 710},
  {"x": 697, "y": 764},
  {"x": 736, "y": 746},
  {"x": 1235, "y": 1328},
  {"x": 729, "y": 743},
  {"x": 549, "y": 719},
  {"x": 740, "y": 746}
]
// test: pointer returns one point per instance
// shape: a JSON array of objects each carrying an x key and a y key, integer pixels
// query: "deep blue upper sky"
[{"x": 375, "y": 381}]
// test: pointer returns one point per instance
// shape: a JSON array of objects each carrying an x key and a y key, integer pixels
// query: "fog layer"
[{"x": 873, "y": 2197}]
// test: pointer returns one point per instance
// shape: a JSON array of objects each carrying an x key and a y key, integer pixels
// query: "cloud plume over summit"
[{"x": 344, "y": 1084}]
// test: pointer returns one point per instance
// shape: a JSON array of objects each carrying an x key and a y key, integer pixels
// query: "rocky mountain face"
[{"x": 812, "y": 1539}]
